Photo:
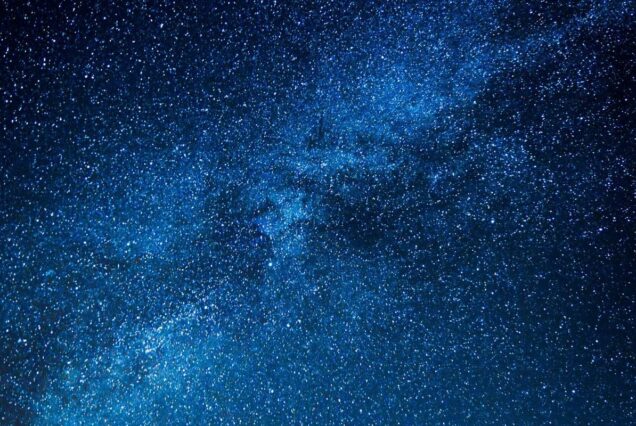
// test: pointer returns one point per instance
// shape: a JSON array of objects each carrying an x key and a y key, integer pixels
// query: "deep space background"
[{"x": 317, "y": 212}]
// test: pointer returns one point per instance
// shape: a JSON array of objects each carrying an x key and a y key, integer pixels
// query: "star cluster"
[{"x": 317, "y": 212}]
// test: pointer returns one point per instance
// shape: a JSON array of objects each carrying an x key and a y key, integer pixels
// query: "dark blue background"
[{"x": 326, "y": 212}]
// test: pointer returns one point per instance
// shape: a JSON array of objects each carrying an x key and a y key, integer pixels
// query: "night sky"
[{"x": 317, "y": 212}]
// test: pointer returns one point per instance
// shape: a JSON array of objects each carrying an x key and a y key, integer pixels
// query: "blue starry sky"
[{"x": 317, "y": 212}]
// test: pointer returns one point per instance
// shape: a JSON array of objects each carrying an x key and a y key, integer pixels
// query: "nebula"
[{"x": 317, "y": 212}]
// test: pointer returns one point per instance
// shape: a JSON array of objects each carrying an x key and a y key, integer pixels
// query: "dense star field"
[{"x": 317, "y": 212}]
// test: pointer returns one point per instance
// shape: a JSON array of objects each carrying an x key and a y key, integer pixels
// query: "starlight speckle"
[{"x": 317, "y": 212}]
